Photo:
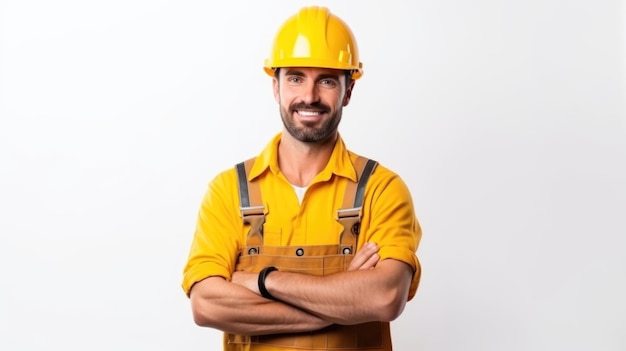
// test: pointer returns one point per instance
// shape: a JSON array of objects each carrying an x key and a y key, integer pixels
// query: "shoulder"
[
  {"x": 381, "y": 172},
  {"x": 224, "y": 178},
  {"x": 222, "y": 189},
  {"x": 385, "y": 182},
  {"x": 384, "y": 177}
]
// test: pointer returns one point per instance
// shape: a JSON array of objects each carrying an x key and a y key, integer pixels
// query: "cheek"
[
  {"x": 284, "y": 97},
  {"x": 336, "y": 99}
]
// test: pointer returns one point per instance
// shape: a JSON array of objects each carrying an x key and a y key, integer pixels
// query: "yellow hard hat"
[{"x": 315, "y": 38}]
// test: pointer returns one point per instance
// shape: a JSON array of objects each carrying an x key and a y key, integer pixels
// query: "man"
[{"x": 307, "y": 246}]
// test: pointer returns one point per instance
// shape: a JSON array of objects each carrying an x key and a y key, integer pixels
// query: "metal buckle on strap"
[
  {"x": 350, "y": 218},
  {"x": 252, "y": 211},
  {"x": 349, "y": 212}
]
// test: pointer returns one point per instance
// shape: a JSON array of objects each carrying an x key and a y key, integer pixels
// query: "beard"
[{"x": 310, "y": 134}]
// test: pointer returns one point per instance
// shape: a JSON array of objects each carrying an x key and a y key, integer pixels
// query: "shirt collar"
[{"x": 340, "y": 162}]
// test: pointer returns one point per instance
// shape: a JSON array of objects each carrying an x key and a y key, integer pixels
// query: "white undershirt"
[{"x": 299, "y": 192}]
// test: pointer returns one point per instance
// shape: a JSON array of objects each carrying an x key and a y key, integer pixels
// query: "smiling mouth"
[
  {"x": 309, "y": 113},
  {"x": 310, "y": 110}
]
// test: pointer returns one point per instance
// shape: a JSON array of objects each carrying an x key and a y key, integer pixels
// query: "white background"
[{"x": 507, "y": 119}]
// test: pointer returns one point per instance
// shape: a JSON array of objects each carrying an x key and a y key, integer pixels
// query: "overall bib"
[{"x": 309, "y": 259}]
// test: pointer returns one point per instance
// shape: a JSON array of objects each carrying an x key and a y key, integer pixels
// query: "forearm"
[
  {"x": 229, "y": 307},
  {"x": 351, "y": 297}
]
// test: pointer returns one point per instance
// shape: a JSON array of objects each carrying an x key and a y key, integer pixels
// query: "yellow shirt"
[{"x": 388, "y": 215}]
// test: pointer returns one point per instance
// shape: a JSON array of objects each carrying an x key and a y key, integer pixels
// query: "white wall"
[{"x": 506, "y": 119}]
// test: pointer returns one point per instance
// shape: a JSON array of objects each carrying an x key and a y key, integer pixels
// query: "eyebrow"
[{"x": 295, "y": 72}]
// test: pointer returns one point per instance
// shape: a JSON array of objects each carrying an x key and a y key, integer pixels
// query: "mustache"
[{"x": 318, "y": 106}]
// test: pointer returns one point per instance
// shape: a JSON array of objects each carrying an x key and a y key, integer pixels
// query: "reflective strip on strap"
[
  {"x": 365, "y": 176},
  {"x": 242, "y": 179},
  {"x": 249, "y": 192}
]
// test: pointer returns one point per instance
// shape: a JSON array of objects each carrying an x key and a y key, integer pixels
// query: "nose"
[{"x": 310, "y": 93}]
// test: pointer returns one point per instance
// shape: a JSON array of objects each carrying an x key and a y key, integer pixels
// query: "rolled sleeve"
[
  {"x": 393, "y": 225},
  {"x": 215, "y": 244}
]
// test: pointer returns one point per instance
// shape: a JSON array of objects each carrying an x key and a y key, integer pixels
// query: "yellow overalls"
[{"x": 309, "y": 259}]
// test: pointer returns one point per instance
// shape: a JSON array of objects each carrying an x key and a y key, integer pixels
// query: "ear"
[
  {"x": 276, "y": 89},
  {"x": 346, "y": 98}
]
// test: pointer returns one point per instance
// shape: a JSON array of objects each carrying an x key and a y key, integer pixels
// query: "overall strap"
[
  {"x": 251, "y": 205},
  {"x": 349, "y": 216}
]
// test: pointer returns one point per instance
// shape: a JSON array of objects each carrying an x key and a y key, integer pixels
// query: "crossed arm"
[{"x": 370, "y": 290}]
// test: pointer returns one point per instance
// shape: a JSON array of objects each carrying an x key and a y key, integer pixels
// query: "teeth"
[{"x": 308, "y": 113}]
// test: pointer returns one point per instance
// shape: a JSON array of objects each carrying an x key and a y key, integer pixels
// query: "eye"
[
  {"x": 294, "y": 79},
  {"x": 328, "y": 82}
]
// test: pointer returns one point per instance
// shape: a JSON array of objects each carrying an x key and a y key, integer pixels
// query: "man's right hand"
[{"x": 366, "y": 258}]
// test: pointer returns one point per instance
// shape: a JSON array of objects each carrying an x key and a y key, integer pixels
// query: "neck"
[{"x": 301, "y": 162}]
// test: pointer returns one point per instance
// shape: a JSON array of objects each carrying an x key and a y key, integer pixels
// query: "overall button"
[
  {"x": 347, "y": 251},
  {"x": 300, "y": 252},
  {"x": 252, "y": 251}
]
